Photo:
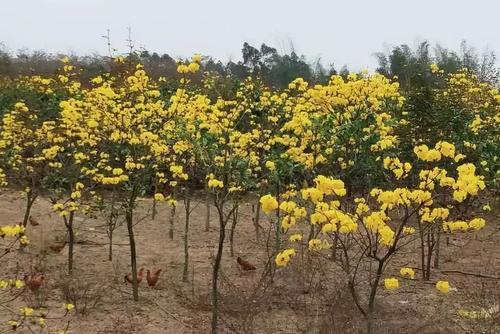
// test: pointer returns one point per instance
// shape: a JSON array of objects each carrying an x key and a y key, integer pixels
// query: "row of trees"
[{"x": 410, "y": 65}]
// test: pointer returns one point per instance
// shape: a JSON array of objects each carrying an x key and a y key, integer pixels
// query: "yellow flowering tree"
[
  {"x": 119, "y": 119},
  {"x": 454, "y": 186},
  {"x": 23, "y": 152},
  {"x": 340, "y": 128},
  {"x": 458, "y": 108},
  {"x": 226, "y": 150},
  {"x": 374, "y": 228}
]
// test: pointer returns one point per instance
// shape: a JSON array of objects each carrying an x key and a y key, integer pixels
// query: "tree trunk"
[
  {"x": 216, "y": 268},
  {"x": 172, "y": 221},
  {"x": 373, "y": 294},
  {"x": 278, "y": 232},
  {"x": 233, "y": 227},
  {"x": 187, "y": 205},
  {"x": 29, "y": 204},
  {"x": 334, "y": 248},
  {"x": 71, "y": 244},
  {"x": 429, "y": 256},
  {"x": 153, "y": 216},
  {"x": 438, "y": 245},
  {"x": 207, "y": 208},
  {"x": 422, "y": 252},
  {"x": 110, "y": 251},
  {"x": 256, "y": 221},
  {"x": 112, "y": 221},
  {"x": 133, "y": 257}
]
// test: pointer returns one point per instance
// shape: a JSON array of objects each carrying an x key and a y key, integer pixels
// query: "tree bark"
[
  {"x": 172, "y": 221},
  {"x": 133, "y": 257},
  {"x": 216, "y": 268},
  {"x": 153, "y": 216},
  {"x": 233, "y": 228},
  {"x": 187, "y": 206},
  {"x": 71, "y": 244},
  {"x": 29, "y": 204},
  {"x": 373, "y": 293},
  {"x": 257, "y": 221},
  {"x": 110, "y": 251},
  {"x": 438, "y": 245},
  {"x": 207, "y": 208}
]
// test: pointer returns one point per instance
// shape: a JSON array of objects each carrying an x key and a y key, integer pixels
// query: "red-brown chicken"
[
  {"x": 33, "y": 221},
  {"x": 140, "y": 276},
  {"x": 34, "y": 282},
  {"x": 57, "y": 248},
  {"x": 245, "y": 265},
  {"x": 153, "y": 278}
]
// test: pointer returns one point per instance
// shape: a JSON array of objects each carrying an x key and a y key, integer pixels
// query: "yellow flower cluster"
[
  {"x": 443, "y": 286},
  {"x": 428, "y": 178},
  {"x": 295, "y": 237},
  {"x": 399, "y": 169},
  {"x": 3, "y": 179},
  {"x": 329, "y": 185},
  {"x": 317, "y": 245},
  {"x": 192, "y": 67},
  {"x": 407, "y": 272},
  {"x": 401, "y": 196},
  {"x": 408, "y": 230},
  {"x": 336, "y": 220},
  {"x": 283, "y": 257},
  {"x": 424, "y": 153},
  {"x": 159, "y": 197},
  {"x": 270, "y": 165},
  {"x": 214, "y": 183},
  {"x": 377, "y": 222},
  {"x": 467, "y": 183},
  {"x": 391, "y": 283},
  {"x": 460, "y": 225},
  {"x": 287, "y": 222},
  {"x": 64, "y": 209},
  {"x": 12, "y": 283},
  {"x": 429, "y": 216},
  {"x": 314, "y": 194},
  {"x": 178, "y": 172},
  {"x": 12, "y": 231},
  {"x": 268, "y": 203}
]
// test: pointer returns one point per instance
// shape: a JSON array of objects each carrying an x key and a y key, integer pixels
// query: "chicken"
[
  {"x": 153, "y": 278},
  {"x": 140, "y": 275},
  {"x": 57, "y": 248},
  {"x": 245, "y": 265},
  {"x": 34, "y": 282},
  {"x": 33, "y": 221}
]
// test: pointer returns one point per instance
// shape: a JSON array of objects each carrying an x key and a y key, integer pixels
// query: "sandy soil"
[{"x": 250, "y": 305}]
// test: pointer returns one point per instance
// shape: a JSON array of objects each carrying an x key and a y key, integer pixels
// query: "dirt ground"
[{"x": 250, "y": 305}]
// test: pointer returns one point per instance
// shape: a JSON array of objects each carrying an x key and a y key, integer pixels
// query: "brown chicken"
[
  {"x": 153, "y": 278},
  {"x": 140, "y": 275},
  {"x": 34, "y": 282},
  {"x": 57, "y": 248},
  {"x": 33, "y": 221},
  {"x": 245, "y": 265}
]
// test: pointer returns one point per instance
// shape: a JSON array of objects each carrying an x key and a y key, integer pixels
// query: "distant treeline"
[{"x": 408, "y": 64}]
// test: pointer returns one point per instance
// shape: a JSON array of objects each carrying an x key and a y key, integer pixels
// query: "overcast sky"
[{"x": 342, "y": 32}]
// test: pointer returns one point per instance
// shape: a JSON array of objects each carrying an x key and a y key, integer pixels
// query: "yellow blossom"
[
  {"x": 407, "y": 272},
  {"x": 443, "y": 286},
  {"x": 268, "y": 203},
  {"x": 159, "y": 197},
  {"x": 391, "y": 283}
]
